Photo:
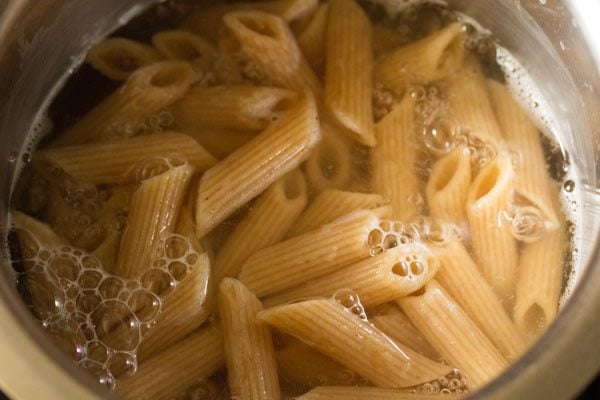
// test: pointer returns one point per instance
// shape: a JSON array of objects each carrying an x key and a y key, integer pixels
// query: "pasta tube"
[
  {"x": 118, "y": 58},
  {"x": 432, "y": 58},
  {"x": 348, "y": 84},
  {"x": 112, "y": 162},
  {"x": 185, "y": 46},
  {"x": 338, "y": 333},
  {"x": 312, "y": 38},
  {"x": 268, "y": 41},
  {"x": 230, "y": 107},
  {"x": 175, "y": 369},
  {"x": 249, "y": 353},
  {"x": 461, "y": 278},
  {"x": 125, "y": 112},
  {"x": 494, "y": 246},
  {"x": 249, "y": 170},
  {"x": 539, "y": 283},
  {"x": 452, "y": 333},
  {"x": 153, "y": 211},
  {"x": 531, "y": 178},
  {"x": 308, "y": 256},
  {"x": 329, "y": 205},
  {"x": 448, "y": 185},
  {"x": 265, "y": 224},
  {"x": 394, "y": 158},
  {"x": 221, "y": 142},
  {"x": 376, "y": 280}
]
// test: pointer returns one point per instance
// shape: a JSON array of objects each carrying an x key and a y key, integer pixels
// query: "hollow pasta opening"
[
  {"x": 451, "y": 53},
  {"x": 534, "y": 320},
  {"x": 292, "y": 186},
  {"x": 488, "y": 181},
  {"x": 262, "y": 27},
  {"x": 446, "y": 173}
]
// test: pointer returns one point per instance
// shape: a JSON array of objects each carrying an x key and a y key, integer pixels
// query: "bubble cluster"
[
  {"x": 97, "y": 318},
  {"x": 527, "y": 223},
  {"x": 351, "y": 302},
  {"x": 383, "y": 101},
  {"x": 452, "y": 383},
  {"x": 150, "y": 167}
]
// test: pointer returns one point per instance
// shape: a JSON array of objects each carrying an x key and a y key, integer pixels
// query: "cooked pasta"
[
  {"x": 185, "y": 46},
  {"x": 312, "y": 38},
  {"x": 348, "y": 84},
  {"x": 118, "y": 58},
  {"x": 245, "y": 173},
  {"x": 371, "y": 393}
]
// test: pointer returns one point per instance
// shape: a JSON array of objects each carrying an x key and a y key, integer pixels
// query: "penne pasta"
[
  {"x": 461, "y": 278},
  {"x": 249, "y": 353},
  {"x": 330, "y": 205},
  {"x": 372, "y": 393},
  {"x": 330, "y": 164},
  {"x": 269, "y": 43},
  {"x": 265, "y": 224},
  {"x": 308, "y": 256},
  {"x": 452, "y": 333},
  {"x": 230, "y": 107},
  {"x": 208, "y": 21},
  {"x": 175, "y": 369},
  {"x": 186, "y": 227},
  {"x": 115, "y": 162},
  {"x": 124, "y": 113},
  {"x": 531, "y": 177},
  {"x": 348, "y": 84},
  {"x": 117, "y": 58},
  {"x": 376, "y": 280},
  {"x": 153, "y": 211},
  {"x": 312, "y": 38},
  {"x": 338, "y": 333},
  {"x": 470, "y": 107},
  {"x": 494, "y": 246},
  {"x": 539, "y": 283},
  {"x": 301, "y": 368},
  {"x": 185, "y": 46},
  {"x": 249, "y": 170},
  {"x": 397, "y": 326},
  {"x": 394, "y": 159},
  {"x": 448, "y": 185},
  {"x": 430, "y": 59}
]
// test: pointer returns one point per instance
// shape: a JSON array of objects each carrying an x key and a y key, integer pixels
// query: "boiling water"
[{"x": 85, "y": 302}]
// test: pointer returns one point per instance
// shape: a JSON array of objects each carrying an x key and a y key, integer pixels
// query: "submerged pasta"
[{"x": 293, "y": 199}]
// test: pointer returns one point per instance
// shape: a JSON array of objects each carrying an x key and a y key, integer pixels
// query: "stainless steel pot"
[{"x": 558, "y": 43}]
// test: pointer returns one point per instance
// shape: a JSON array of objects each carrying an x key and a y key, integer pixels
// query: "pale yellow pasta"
[
  {"x": 117, "y": 58},
  {"x": 34, "y": 237},
  {"x": 268, "y": 42},
  {"x": 329, "y": 166},
  {"x": 265, "y": 224},
  {"x": 115, "y": 161},
  {"x": 331, "y": 204},
  {"x": 448, "y": 185},
  {"x": 153, "y": 211},
  {"x": 312, "y": 38},
  {"x": 432, "y": 58},
  {"x": 221, "y": 142},
  {"x": 453, "y": 334},
  {"x": 230, "y": 107},
  {"x": 469, "y": 105},
  {"x": 494, "y": 246},
  {"x": 125, "y": 112},
  {"x": 249, "y": 170},
  {"x": 397, "y": 326},
  {"x": 523, "y": 139},
  {"x": 394, "y": 158},
  {"x": 372, "y": 393},
  {"x": 461, "y": 278},
  {"x": 348, "y": 69},
  {"x": 209, "y": 20},
  {"x": 187, "y": 227},
  {"x": 338, "y": 333},
  {"x": 249, "y": 353},
  {"x": 308, "y": 256},
  {"x": 186, "y": 46},
  {"x": 376, "y": 280},
  {"x": 302, "y": 367},
  {"x": 539, "y": 283},
  {"x": 173, "y": 370}
]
